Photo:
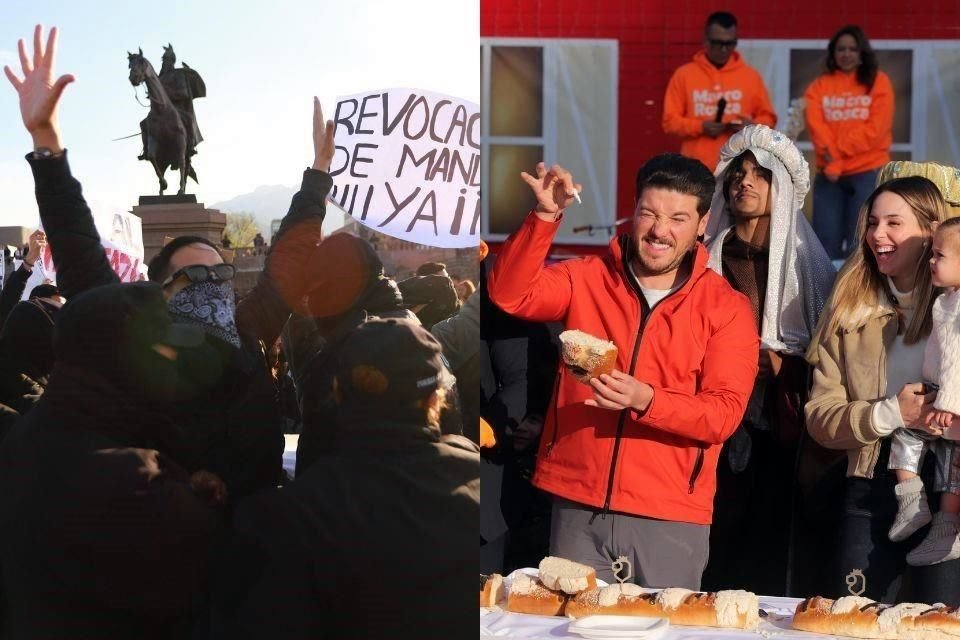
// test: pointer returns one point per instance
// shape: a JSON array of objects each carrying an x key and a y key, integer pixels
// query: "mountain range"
[{"x": 271, "y": 202}]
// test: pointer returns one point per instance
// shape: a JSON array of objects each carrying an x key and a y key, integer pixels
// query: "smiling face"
[
  {"x": 748, "y": 191},
  {"x": 846, "y": 53},
  {"x": 896, "y": 239},
  {"x": 666, "y": 226},
  {"x": 945, "y": 262}
]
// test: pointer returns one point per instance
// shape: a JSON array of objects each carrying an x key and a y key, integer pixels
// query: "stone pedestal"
[{"x": 161, "y": 219}]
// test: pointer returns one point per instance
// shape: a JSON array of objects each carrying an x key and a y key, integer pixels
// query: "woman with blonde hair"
[{"x": 867, "y": 382}]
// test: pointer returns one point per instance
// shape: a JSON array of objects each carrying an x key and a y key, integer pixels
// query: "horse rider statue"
[{"x": 182, "y": 85}]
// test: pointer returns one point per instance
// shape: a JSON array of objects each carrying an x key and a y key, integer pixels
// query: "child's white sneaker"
[
  {"x": 941, "y": 544},
  {"x": 912, "y": 510}
]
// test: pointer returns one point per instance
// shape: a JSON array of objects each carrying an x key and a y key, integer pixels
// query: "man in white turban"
[{"x": 760, "y": 241}]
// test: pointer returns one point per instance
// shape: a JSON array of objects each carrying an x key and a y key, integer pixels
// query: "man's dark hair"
[
  {"x": 867, "y": 71},
  {"x": 723, "y": 19},
  {"x": 159, "y": 268},
  {"x": 678, "y": 173},
  {"x": 431, "y": 268},
  {"x": 735, "y": 172}
]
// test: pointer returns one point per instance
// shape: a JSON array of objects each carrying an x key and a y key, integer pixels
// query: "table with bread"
[{"x": 549, "y": 601}]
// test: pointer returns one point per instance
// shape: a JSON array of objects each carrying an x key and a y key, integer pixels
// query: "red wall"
[{"x": 657, "y": 37}]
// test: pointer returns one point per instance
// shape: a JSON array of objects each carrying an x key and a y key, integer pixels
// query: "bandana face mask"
[{"x": 211, "y": 306}]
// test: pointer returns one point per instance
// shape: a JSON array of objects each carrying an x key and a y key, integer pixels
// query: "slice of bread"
[
  {"x": 587, "y": 356},
  {"x": 491, "y": 589},
  {"x": 566, "y": 576}
]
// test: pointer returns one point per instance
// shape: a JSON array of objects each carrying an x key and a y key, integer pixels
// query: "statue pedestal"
[{"x": 171, "y": 219}]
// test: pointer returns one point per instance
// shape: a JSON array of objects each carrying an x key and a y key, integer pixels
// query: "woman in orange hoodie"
[{"x": 850, "y": 116}]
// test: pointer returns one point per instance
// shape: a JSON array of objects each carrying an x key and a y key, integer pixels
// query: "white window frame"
[
  {"x": 606, "y": 186},
  {"x": 922, "y": 50}
]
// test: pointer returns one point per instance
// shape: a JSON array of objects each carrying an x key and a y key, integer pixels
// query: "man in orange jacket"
[
  {"x": 631, "y": 458},
  {"x": 715, "y": 95}
]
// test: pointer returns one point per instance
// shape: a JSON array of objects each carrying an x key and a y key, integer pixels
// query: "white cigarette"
[{"x": 576, "y": 194}]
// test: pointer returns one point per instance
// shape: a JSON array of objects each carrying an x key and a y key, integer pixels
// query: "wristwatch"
[{"x": 45, "y": 153}]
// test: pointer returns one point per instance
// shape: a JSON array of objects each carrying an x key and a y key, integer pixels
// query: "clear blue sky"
[{"x": 261, "y": 61}]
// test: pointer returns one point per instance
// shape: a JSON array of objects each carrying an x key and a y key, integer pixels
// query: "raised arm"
[
  {"x": 74, "y": 241},
  {"x": 519, "y": 283},
  {"x": 17, "y": 282},
  {"x": 280, "y": 287}
]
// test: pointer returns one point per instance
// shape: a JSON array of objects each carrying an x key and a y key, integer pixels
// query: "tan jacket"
[{"x": 849, "y": 378}]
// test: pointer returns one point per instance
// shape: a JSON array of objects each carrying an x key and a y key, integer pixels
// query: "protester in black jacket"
[
  {"x": 228, "y": 409},
  {"x": 378, "y": 535},
  {"x": 101, "y": 536},
  {"x": 14, "y": 286},
  {"x": 348, "y": 286}
]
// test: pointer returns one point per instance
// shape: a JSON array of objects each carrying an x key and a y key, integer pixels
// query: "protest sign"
[
  {"x": 121, "y": 235},
  {"x": 407, "y": 163}
]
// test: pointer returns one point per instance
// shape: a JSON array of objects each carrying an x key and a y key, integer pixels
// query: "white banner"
[
  {"x": 407, "y": 164},
  {"x": 122, "y": 237}
]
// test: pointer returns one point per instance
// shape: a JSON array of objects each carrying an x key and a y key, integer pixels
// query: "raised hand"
[
  {"x": 323, "y": 143},
  {"x": 38, "y": 240},
  {"x": 554, "y": 188},
  {"x": 39, "y": 94}
]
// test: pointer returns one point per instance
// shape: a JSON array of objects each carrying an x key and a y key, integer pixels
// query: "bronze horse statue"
[{"x": 167, "y": 143}]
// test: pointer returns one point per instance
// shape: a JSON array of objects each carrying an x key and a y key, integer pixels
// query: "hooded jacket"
[
  {"x": 378, "y": 536},
  {"x": 697, "y": 348},
  {"x": 100, "y": 536},
  {"x": 692, "y": 96},
  {"x": 848, "y": 122}
]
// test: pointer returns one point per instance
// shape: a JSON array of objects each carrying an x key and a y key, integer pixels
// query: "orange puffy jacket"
[
  {"x": 852, "y": 125},
  {"x": 698, "y": 348},
  {"x": 692, "y": 97}
]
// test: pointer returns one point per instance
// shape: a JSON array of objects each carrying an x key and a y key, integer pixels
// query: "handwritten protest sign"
[
  {"x": 121, "y": 235},
  {"x": 407, "y": 164}
]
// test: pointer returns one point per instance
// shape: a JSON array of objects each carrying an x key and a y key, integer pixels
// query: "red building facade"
[{"x": 654, "y": 38}]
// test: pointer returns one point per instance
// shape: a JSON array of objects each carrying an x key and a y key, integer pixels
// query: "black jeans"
[{"x": 868, "y": 511}]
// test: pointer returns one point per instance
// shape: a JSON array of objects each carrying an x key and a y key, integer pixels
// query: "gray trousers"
[
  {"x": 663, "y": 553},
  {"x": 908, "y": 448}
]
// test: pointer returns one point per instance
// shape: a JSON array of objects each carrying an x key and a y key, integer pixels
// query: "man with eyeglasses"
[{"x": 715, "y": 95}]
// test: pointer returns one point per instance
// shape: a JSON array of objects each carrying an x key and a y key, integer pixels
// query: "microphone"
[
  {"x": 721, "y": 107},
  {"x": 588, "y": 227}
]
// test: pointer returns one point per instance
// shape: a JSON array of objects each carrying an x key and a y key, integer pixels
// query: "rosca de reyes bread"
[
  {"x": 528, "y": 595},
  {"x": 729, "y": 609},
  {"x": 587, "y": 356},
  {"x": 491, "y": 589},
  {"x": 567, "y": 576},
  {"x": 858, "y": 617}
]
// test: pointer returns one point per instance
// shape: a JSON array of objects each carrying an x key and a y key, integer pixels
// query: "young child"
[{"x": 941, "y": 366}]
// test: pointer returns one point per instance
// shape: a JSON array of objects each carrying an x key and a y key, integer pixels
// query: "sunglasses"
[
  {"x": 197, "y": 273},
  {"x": 720, "y": 44}
]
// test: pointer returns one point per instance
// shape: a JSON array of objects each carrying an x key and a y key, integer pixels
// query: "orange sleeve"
[
  {"x": 862, "y": 136},
  {"x": 675, "y": 120},
  {"x": 820, "y": 133},
  {"x": 763, "y": 112},
  {"x": 520, "y": 284}
]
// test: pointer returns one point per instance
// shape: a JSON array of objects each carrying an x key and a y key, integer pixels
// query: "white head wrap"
[{"x": 800, "y": 274}]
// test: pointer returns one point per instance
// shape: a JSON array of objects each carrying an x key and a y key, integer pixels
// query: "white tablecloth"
[{"x": 503, "y": 624}]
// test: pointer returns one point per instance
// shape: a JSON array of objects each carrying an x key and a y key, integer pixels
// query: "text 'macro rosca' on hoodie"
[
  {"x": 848, "y": 122},
  {"x": 692, "y": 97}
]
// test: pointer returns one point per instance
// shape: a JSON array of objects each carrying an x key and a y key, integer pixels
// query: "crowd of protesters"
[{"x": 142, "y": 489}]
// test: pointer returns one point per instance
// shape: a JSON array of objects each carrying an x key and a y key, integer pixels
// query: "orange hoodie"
[
  {"x": 849, "y": 123},
  {"x": 692, "y": 96}
]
